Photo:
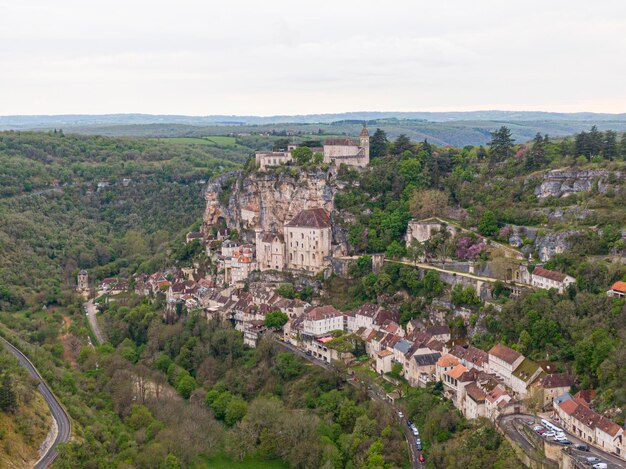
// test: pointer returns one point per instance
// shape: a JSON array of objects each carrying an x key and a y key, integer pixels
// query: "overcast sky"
[{"x": 289, "y": 57}]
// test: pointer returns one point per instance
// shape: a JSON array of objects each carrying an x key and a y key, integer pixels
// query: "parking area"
[{"x": 584, "y": 454}]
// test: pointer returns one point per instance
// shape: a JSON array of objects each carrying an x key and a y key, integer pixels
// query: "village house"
[
  {"x": 308, "y": 240},
  {"x": 441, "y": 333},
  {"x": 384, "y": 361},
  {"x": 503, "y": 361},
  {"x": 473, "y": 405},
  {"x": 547, "y": 279},
  {"x": 576, "y": 417},
  {"x": 524, "y": 375},
  {"x": 554, "y": 385},
  {"x": 618, "y": 290},
  {"x": 321, "y": 320},
  {"x": 421, "y": 368},
  {"x": 496, "y": 400},
  {"x": 470, "y": 356},
  {"x": 443, "y": 365}
]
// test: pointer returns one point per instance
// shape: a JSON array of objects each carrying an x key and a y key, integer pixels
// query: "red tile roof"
[
  {"x": 504, "y": 353},
  {"x": 323, "y": 312},
  {"x": 549, "y": 274},
  {"x": 311, "y": 218},
  {"x": 569, "y": 406},
  {"x": 475, "y": 392},
  {"x": 619, "y": 286}
]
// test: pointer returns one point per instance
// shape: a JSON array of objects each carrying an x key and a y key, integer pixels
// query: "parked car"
[
  {"x": 582, "y": 447},
  {"x": 547, "y": 434},
  {"x": 422, "y": 458},
  {"x": 419, "y": 446},
  {"x": 400, "y": 414},
  {"x": 600, "y": 465},
  {"x": 415, "y": 432},
  {"x": 541, "y": 431},
  {"x": 593, "y": 460},
  {"x": 537, "y": 427},
  {"x": 409, "y": 423}
]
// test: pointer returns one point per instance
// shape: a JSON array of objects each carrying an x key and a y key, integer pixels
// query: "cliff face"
[
  {"x": 564, "y": 182},
  {"x": 266, "y": 199}
]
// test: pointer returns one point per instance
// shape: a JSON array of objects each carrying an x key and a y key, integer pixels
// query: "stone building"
[
  {"x": 423, "y": 230},
  {"x": 337, "y": 150},
  {"x": 308, "y": 240},
  {"x": 270, "y": 250},
  {"x": 346, "y": 151},
  {"x": 547, "y": 279},
  {"x": 82, "y": 281}
]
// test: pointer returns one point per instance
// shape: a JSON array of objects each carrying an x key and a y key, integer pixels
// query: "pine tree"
[
  {"x": 622, "y": 146},
  {"x": 378, "y": 144},
  {"x": 8, "y": 400},
  {"x": 537, "y": 155},
  {"x": 402, "y": 144},
  {"x": 501, "y": 145},
  {"x": 595, "y": 141},
  {"x": 610, "y": 149}
]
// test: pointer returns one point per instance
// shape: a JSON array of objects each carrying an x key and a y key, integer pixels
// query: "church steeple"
[{"x": 364, "y": 143}]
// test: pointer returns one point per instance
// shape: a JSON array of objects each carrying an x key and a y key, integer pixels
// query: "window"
[{"x": 302, "y": 235}]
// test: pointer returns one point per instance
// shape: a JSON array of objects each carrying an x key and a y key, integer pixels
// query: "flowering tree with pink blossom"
[{"x": 469, "y": 248}]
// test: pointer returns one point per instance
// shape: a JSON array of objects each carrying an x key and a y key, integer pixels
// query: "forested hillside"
[{"x": 70, "y": 202}]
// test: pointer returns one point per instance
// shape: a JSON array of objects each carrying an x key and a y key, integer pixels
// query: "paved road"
[
  {"x": 509, "y": 423},
  {"x": 375, "y": 394},
  {"x": 91, "y": 311},
  {"x": 58, "y": 412}
]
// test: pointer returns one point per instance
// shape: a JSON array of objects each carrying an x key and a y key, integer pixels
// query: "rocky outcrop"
[
  {"x": 547, "y": 245},
  {"x": 268, "y": 199},
  {"x": 564, "y": 182}
]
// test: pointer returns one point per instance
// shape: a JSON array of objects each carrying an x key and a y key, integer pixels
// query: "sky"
[{"x": 284, "y": 57}]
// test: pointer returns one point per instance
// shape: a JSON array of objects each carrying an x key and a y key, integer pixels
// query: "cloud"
[{"x": 274, "y": 57}]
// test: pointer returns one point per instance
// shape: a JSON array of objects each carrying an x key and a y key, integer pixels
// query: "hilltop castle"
[{"x": 335, "y": 150}]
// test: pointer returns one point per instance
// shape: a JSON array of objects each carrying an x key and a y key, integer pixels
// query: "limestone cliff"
[
  {"x": 564, "y": 182},
  {"x": 267, "y": 199}
]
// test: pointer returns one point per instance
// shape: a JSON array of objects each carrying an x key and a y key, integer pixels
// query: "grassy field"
[
  {"x": 218, "y": 140},
  {"x": 224, "y": 462}
]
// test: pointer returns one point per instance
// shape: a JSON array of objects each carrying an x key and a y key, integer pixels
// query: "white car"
[
  {"x": 600, "y": 465},
  {"x": 547, "y": 434},
  {"x": 400, "y": 414},
  {"x": 415, "y": 432}
]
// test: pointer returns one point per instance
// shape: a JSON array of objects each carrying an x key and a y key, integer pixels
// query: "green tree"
[
  {"x": 488, "y": 223},
  {"x": 537, "y": 156},
  {"x": 415, "y": 251},
  {"x": 302, "y": 155},
  {"x": 276, "y": 319},
  {"x": 402, "y": 144},
  {"x": 379, "y": 144},
  {"x": 287, "y": 290},
  {"x": 8, "y": 399},
  {"x": 395, "y": 250},
  {"x": 501, "y": 144}
]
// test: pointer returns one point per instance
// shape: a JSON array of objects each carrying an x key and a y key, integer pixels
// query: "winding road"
[
  {"x": 91, "y": 311},
  {"x": 58, "y": 412}
]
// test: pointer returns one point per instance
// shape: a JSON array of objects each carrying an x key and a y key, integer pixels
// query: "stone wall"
[{"x": 564, "y": 182}]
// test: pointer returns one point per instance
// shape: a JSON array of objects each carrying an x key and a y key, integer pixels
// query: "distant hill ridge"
[{"x": 85, "y": 120}]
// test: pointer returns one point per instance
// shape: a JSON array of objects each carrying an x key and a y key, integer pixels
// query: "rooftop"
[
  {"x": 475, "y": 393},
  {"x": 323, "y": 312},
  {"x": 311, "y": 218},
  {"x": 526, "y": 370},
  {"x": 505, "y": 353},
  {"x": 558, "y": 380},
  {"x": 619, "y": 286},
  {"x": 549, "y": 274}
]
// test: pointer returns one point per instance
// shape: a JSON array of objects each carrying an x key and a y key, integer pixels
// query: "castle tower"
[
  {"x": 83, "y": 281},
  {"x": 364, "y": 143}
]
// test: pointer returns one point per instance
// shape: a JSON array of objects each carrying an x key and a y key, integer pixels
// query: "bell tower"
[{"x": 364, "y": 144}]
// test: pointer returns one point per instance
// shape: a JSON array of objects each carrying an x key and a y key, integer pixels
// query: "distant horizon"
[{"x": 305, "y": 114}]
